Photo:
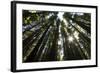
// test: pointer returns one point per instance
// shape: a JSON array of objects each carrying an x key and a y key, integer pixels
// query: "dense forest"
[{"x": 56, "y": 36}]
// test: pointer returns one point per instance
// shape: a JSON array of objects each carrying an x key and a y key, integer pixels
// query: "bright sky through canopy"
[
  {"x": 60, "y": 15},
  {"x": 70, "y": 38}
]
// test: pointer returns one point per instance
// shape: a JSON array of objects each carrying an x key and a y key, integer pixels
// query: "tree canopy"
[{"x": 56, "y": 36}]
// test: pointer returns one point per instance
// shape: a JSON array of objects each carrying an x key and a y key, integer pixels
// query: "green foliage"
[{"x": 48, "y": 38}]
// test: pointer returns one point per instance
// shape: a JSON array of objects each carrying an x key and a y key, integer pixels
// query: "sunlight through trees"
[{"x": 56, "y": 36}]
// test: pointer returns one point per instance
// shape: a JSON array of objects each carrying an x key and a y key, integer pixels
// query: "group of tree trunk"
[{"x": 47, "y": 38}]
